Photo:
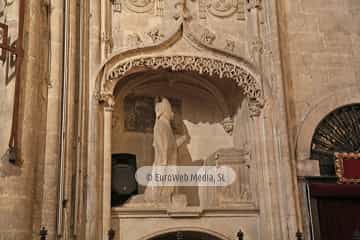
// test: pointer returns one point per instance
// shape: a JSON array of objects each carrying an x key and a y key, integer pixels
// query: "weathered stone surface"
[
  {"x": 306, "y": 42},
  {"x": 298, "y": 58}
]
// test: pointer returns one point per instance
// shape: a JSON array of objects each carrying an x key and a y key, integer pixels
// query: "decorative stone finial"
[
  {"x": 299, "y": 235},
  {"x": 240, "y": 235},
  {"x": 228, "y": 125},
  {"x": 111, "y": 234},
  {"x": 43, "y": 233}
]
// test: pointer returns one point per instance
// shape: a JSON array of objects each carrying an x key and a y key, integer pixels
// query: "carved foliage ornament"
[
  {"x": 207, "y": 37},
  {"x": 254, "y": 4},
  {"x": 230, "y": 45},
  {"x": 155, "y": 35},
  {"x": 202, "y": 65}
]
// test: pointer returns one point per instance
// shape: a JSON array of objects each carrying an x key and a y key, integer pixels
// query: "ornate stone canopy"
[{"x": 246, "y": 81}]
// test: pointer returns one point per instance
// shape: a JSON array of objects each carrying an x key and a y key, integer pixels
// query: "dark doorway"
[
  {"x": 334, "y": 210},
  {"x": 185, "y": 235}
]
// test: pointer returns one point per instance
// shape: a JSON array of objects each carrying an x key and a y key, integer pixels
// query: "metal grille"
[{"x": 337, "y": 132}]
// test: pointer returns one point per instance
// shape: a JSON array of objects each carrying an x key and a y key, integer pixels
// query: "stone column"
[
  {"x": 18, "y": 191},
  {"x": 255, "y": 21},
  {"x": 260, "y": 158},
  {"x": 106, "y": 180}
]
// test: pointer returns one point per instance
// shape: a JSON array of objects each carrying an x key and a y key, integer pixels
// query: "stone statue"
[
  {"x": 166, "y": 150},
  {"x": 166, "y": 147}
]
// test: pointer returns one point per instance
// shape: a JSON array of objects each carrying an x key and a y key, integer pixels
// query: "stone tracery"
[{"x": 202, "y": 65}]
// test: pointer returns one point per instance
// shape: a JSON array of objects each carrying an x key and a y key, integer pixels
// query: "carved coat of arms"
[
  {"x": 223, "y": 8},
  {"x": 139, "y": 6}
]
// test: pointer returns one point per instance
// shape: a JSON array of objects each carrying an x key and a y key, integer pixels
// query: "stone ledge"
[
  {"x": 308, "y": 168},
  {"x": 192, "y": 212}
]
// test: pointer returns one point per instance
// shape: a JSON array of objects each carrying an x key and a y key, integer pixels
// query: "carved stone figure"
[
  {"x": 165, "y": 146},
  {"x": 228, "y": 125}
]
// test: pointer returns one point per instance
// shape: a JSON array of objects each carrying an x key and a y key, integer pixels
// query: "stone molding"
[
  {"x": 197, "y": 229},
  {"x": 319, "y": 111},
  {"x": 202, "y": 65},
  {"x": 307, "y": 168}
]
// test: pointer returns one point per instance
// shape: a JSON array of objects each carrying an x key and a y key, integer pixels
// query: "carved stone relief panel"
[
  {"x": 154, "y": 21},
  {"x": 222, "y": 8},
  {"x": 140, "y": 115},
  {"x": 141, "y": 23},
  {"x": 139, "y": 6},
  {"x": 241, "y": 191}
]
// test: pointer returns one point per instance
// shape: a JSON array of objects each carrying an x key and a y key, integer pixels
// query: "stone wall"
[
  {"x": 17, "y": 191},
  {"x": 320, "y": 52},
  {"x": 322, "y": 39},
  {"x": 320, "y": 49}
]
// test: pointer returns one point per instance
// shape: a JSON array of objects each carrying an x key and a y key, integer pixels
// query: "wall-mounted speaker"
[{"x": 123, "y": 182}]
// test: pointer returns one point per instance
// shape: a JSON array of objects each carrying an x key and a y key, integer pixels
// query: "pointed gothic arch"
[{"x": 247, "y": 81}]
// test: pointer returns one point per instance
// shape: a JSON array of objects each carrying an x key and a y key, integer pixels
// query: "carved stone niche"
[{"x": 240, "y": 193}]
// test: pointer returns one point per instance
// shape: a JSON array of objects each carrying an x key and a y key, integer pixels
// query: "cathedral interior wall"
[
  {"x": 321, "y": 48},
  {"x": 320, "y": 44},
  {"x": 323, "y": 51}
]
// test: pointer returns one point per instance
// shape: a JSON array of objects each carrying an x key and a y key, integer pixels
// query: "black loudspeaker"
[{"x": 123, "y": 182}]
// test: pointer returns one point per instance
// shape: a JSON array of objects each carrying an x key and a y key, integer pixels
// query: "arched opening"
[
  {"x": 213, "y": 112},
  {"x": 339, "y": 131},
  {"x": 185, "y": 235},
  {"x": 218, "y": 101}
]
